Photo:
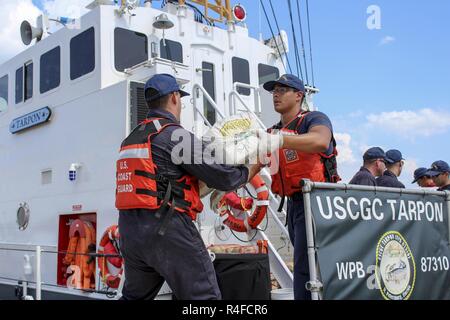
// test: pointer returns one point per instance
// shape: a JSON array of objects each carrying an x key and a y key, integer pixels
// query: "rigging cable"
[
  {"x": 279, "y": 32},
  {"x": 297, "y": 57},
  {"x": 303, "y": 41},
  {"x": 273, "y": 35},
  {"x": 310, "y": 46}
]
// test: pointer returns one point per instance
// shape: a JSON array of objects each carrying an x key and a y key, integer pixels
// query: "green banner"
[{"x": 381, "y": 245}]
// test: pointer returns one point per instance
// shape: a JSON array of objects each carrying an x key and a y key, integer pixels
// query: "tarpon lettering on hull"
[{"x": 30, "y": 120}]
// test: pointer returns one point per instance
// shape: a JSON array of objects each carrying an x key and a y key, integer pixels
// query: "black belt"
[
  {"x": 296, "y": 196},
  {"x": 168, "y": 210}
]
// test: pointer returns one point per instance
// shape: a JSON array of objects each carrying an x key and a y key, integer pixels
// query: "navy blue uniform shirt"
[
  {"x": 388, "y": 179},
  {"x": 216, "y": 176},
  {"x": 295, "y": 212},
  {"x": 364, "y": 178},
  {"x": 445, "y": 188}
]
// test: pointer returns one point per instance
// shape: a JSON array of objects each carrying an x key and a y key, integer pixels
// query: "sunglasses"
[{"x": 282, "y": 90}]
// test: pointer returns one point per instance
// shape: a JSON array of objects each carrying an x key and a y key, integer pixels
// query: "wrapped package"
[{"x": 233, "y": 140}]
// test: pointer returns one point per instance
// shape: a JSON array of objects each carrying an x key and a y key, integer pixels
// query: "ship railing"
[
  {"x": 281, "y": 271},
  {"x": 196, "y": 89},
  {"x": 28, "y": 281}
]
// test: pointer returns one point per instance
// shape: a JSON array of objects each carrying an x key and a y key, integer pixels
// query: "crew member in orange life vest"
[
  {"x": 158, "y": 201},
  {"x": 307, "y": 151}
]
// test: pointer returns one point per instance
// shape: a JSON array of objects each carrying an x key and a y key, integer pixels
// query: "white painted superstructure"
[{"x": 92, "y": 114}]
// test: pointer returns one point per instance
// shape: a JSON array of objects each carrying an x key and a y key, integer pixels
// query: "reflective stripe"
[
  {"x": 263, "y": 188},
  {"x": 262, "y": 202},
  {"x": 157, "y": 125},
  {"x": 224, "y": 216},
  {"x": 136, "y": 153},
  {"x": 247, "y": 226}
]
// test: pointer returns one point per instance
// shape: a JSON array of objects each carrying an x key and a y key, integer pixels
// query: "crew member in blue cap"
[
  {"x": 422, "y": 179},
  {"x": 307, "y": 151},
  {"x": 373, "y": 166},
  {"x": 394, "y": 167},
  {"x": 440, "y": 172},
  {"x": 158, "y": 198}
]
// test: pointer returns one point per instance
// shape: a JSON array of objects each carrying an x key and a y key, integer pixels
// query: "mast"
[{"x": 221, "y": 7}]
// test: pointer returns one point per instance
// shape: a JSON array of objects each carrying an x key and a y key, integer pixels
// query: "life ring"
[
  {"x": 253, "y": 220},
  {"x": 81, "y": 243},
  {"x": 108, "y": 246}
]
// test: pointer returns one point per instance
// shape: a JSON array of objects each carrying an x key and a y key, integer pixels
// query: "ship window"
[
  {"x": 50, "y": 65},
  {"x": 209, "y": 85},
  {"x": 19, "y": 85},
  {"x": 267, "y": 73},
  {"x": 172, "y": 50},
  {"x": 28, "y": 77},
  {"x": 24, "y": 82},
  {"x": 130, "y": 48},
  {"x": 82, "y": 54},
  {"x": 3, "y": 93},
  {"x": 241, "y": 73}
]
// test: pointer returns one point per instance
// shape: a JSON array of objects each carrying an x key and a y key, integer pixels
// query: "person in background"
[
  {"x": 373, "y": 166},
  {"x": 440, "y": 172},
  {"x": 422, "y": 179},
  {"x": 394, "y": 167}
]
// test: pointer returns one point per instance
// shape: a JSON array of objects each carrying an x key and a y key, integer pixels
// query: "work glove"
[
  {"x": 204, "y": 190},
  {"x": 268, "y": 142},
  {"x": 214, "y": 200}
]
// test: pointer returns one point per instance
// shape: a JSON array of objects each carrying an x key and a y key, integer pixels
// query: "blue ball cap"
[
  {"x": 162, "y": 84},
  {"x": 393, "y": 156},
  {"x": 288, "y": 80},
  {"x": 419, "y": 173},
  {"x": 437, "y": 168},
  {"x": 374, "y": 153}
]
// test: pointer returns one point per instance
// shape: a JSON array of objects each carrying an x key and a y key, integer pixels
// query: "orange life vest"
[
  {"x": 81, "y": 243},
  {"x": 293, "y": 166},
  {"x": 141, "y": 186}
]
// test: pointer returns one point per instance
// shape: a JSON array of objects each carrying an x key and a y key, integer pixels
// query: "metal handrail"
[
  {"x": 232, "y": 110},
  {"x": 39, "y": 250},
  {"x": 256, "y": 97},
  {"x": 208, "y": 97},
  {"x": 286, "y": 278}
]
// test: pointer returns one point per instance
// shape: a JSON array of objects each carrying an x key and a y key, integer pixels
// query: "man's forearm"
[
  {"x": 309, "y": 142},
  {"x": 316, "y": 140}
]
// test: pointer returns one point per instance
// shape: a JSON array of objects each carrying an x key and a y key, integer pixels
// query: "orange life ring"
[
  {"x": 107, "y": 246},
  {"x": 81, "y": 243},
  {"x": 252, "y": 221}
]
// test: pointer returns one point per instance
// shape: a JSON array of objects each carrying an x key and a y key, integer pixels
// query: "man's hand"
[
  {"x": 204, "y": 190},
  {"x": 214, "y": 200},
  {"x": 268, "y": 142}
]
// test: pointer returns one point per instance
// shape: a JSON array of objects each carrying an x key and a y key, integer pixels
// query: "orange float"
[
  {"x": 252, "y": 221},
  {"x": 109, "y": 246}
]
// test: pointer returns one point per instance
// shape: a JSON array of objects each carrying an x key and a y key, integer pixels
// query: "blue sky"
[
  {"x": 393, "y": 94},
  {"x": 360, "y": 78}
]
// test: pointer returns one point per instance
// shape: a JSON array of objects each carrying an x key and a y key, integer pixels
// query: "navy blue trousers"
[
  {"x": 178, "y": 257},
  {"x": 297, "y": 234}
]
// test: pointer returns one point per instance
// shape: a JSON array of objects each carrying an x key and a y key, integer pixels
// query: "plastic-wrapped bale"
[{"x": 233, "y": 140}]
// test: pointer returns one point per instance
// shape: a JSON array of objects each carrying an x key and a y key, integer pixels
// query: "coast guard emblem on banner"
[{"x": 396, "y": 273}]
